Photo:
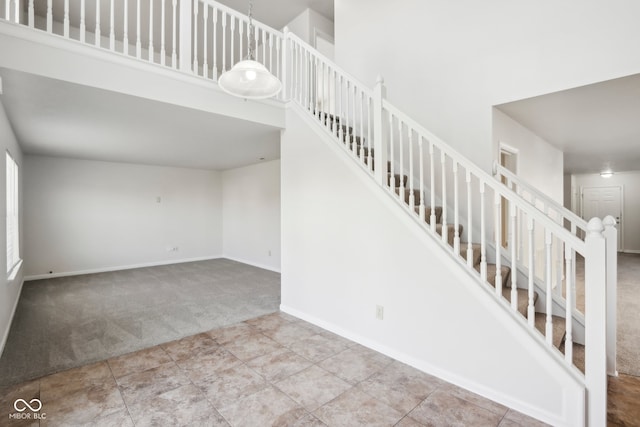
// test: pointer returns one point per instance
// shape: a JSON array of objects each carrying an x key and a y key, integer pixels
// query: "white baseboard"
[
  {"x": 430, "y": 369},
  {"x": 255, "y": 264},
  {"x": 5, "y": 336},
  {"x": 631, "y": 251},
  {"x": 119, "y": 267}
]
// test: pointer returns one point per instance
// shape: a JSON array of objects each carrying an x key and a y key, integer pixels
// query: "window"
[{"x": 13, "y": 234}]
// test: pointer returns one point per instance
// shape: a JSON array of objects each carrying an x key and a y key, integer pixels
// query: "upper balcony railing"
[{"x": 202, "y": 37}]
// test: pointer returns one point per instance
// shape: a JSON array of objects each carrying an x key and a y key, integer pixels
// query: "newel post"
[
  {"x": 379, "y": 127},
  {"x": 186, "y": 35},
  {"x": 595, "y": 324},
  {"x": 611, "y": 236}
]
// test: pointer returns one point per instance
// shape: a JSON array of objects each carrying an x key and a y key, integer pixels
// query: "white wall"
[
  {"x": 346, "y": 247},
  {"x": 308, "y": 23},
  {"x": 630, "y": 183},
  {"x": 251, "y": 214},
  {"x": 446, "y": 63},
  {"x": 9, "y": 289},
  {"x": 539, "y": 163},
  {"x": 90, "y": 216}
]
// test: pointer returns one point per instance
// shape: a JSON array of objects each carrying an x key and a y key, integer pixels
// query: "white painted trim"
[
  {"x": 5, "y": 336},
  {"x": 119, "y": 267},
  {"x": 430, "y": 369},
  {"x": 254, "y": 264},
  {"x": 631, "y": 251}
]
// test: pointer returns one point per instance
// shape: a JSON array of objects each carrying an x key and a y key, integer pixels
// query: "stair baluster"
[
  {"x": 31, "y": 16},
  {"x": 264, "y": 45},
  {"x": 498, "y": 242},
  {"x": 271, "y": 52},
  {"x": 369, "y": 140},
  {"x": 112, "y": 29},
  {"x": 174, "y": 51},
  {"x": 531, "y": 312},
  {"x": 421, "y": 209},
  {"x": 224, "y": 41},
  {"x": 214, "y": 45},
  {"x": 401, "y": 156},
  {"x": 483, "y": 243},
  {"x": 548, "y": 277},
  {"x": 83, "y": 25},
  {"x": 354, "y": 114},
  {"x": 513, "y": 244},
  {"x": 469, "y": 221},
  {"x": 432, "y": 183},
  {"x": 412, "y": 200},
  {"x": 49, "y": 15},
  {"x": 98, "y": 40},
  {"x": 205, "y": 50},
  {"x": 456, "y": 209},
  {"x": 66, "y": 18},
  {"x": 443, "y": 219},
  {"x": 568, "y": 340},
  {"x": 361, "y": 101},
  {"x": 392, "y": 149},
  {"x": 195, "y": 39},
  {"x": 138, "y": 41}
]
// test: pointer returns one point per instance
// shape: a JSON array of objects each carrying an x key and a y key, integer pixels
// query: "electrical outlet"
[{"x": 379, "y": 312}]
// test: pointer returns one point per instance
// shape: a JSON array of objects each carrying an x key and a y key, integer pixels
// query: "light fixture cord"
[{"x": 251, "y": 32}]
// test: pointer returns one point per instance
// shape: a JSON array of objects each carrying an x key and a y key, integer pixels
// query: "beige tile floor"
[{"x": 272, "y": 370}]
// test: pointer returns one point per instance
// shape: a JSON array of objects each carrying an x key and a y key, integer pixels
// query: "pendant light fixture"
[{"x": 248, "y": 78}]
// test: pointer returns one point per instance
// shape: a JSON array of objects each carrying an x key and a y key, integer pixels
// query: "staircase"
[
  {"x": 357, "y": 144},
  {"x": 457, "y": 204}
]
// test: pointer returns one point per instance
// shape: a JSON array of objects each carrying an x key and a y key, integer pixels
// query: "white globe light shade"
[{"x": 249, "y": 79}]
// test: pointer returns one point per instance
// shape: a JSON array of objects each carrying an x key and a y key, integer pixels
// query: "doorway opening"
[{"x": 508, "y": 159}]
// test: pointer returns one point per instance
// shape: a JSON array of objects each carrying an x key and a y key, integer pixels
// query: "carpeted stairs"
[{"x": 357, "y": 145}]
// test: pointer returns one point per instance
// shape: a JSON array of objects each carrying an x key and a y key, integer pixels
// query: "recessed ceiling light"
[{"x": 606, "y": 174}]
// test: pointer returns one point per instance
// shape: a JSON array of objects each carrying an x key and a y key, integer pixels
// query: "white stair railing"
[
  {"x": 550, "y": 207},
  {"x": 417, "y": 169}
]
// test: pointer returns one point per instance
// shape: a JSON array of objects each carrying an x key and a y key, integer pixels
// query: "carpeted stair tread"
[
  {"x": 407, "y": 195},
  {"x": 359, "y": 142},
  {"x": 578, "y": 355},
  {"x": 523, "y": 297},
  {"x": 450, "y": 231},
  {"x": 427, "y": 213},
  {"x": 397, "y": 180},
  {"x": 559, "y": 328},
  {"x": 476, "y": 252},
  {"x": 505, "y": 272}
]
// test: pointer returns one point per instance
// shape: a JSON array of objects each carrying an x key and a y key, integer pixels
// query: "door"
[{"x": 603, "y": 201}]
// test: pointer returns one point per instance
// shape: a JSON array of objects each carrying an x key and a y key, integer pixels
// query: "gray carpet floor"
[
  {"x": 72, "y": 321},
  {"x": 628, "y": 315},
  {"x": 628, "y": 348}
]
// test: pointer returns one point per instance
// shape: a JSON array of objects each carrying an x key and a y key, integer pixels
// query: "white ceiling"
[
  {"x": 56, "y": 118},
  {"x": 596, "y": 126},
  {"x": 278, "y": 13}
]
